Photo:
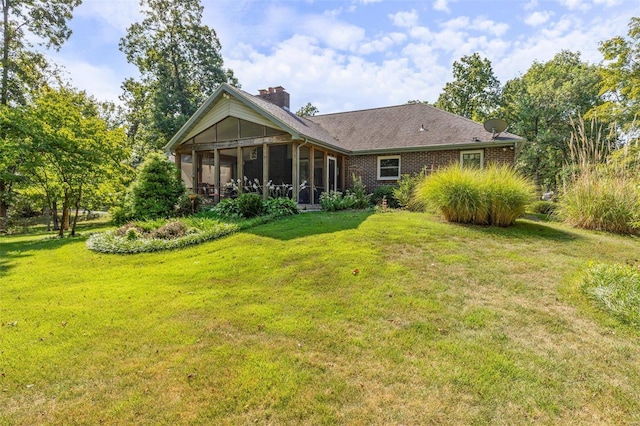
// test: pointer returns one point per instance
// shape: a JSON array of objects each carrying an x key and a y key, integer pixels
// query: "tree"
[
  {"x": 309, "y": 110},
  {"x": 539, "y": 107},
  {"x": 180, "y": 65},
  {"x": 73, "y": 150},
  {"x": 156, "y": 191},
  {"x": 620, "y": 85},
  {"x": 475, "y": 91},
  {"x": 23, "y": 71}
]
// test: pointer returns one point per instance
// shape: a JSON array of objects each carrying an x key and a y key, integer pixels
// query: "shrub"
[
  {"x": 599, "y": 199},
  {"x": 278, "y": 207},
  {"x": 358, "y": 197},
  {"x": 227, "y": 208},
  {"x": 616, "y": 289},
  {"x": 331, "y": 201},
  {"x": 383, "y": 191},
  {"x": 496, "y": 195},
  {"x": 156, "y": 191},
  {"x": 404, "y": 192},
  {"x": 250, "y": 204}
]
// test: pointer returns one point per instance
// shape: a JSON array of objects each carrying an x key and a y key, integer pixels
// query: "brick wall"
[{"x": 366, "y": 166}]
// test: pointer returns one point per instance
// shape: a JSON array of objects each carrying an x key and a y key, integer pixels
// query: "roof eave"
[{"x": 443, "y": 147}]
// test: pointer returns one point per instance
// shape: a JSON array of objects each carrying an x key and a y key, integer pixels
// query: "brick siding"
[{"x": 366, "y": 166}]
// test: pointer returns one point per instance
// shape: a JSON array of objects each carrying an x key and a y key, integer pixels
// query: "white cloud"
[
  {"x": 442, "y": 6},
  {"x": 531, "y": 5},
  {"x": 117, "y": 14},
  {"x": 538, "y": 18},
  {"x": 608, "y": 3},
  {"x": 381, "y": 44},
  {"x": 335, "y": 34},
  {"x": 492, "y": 27},
  {"x": 404, "y": 19},
  {"x": 582, "y": 5}
]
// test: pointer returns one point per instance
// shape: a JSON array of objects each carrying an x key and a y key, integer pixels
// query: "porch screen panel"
[
  {"x": 252, "y": 157},
  {"x": 318, "y": 172},
  {"x": 280, "y": 168},
  {"x": 303, "y": 175}
]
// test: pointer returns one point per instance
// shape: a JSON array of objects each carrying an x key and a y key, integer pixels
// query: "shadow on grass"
[
  {"x": 528, "y": 229},
  {"x": 312, "y": 223},
  {"x": 19, "y": 245}
]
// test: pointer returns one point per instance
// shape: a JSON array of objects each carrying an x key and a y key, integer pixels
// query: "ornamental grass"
[{"x": 496, "y": 195}]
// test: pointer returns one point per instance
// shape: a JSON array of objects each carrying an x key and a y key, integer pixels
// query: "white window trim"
[
  {"x": 473, "y": 151},
  {"x": 390, "y": 157}
]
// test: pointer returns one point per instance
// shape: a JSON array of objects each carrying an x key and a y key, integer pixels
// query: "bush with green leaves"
[
  {"x": 385, "y": 192},
  {"x": 496, "y": 195},
  {"x": 614, "y": 288},
  {"x": 404, "y": 192},
  {"x": 155, "y": 193},
  {"x": 354, "y": 198},
  {"x": 250, "y": 205},
  {"x": 279, "y": 207}
]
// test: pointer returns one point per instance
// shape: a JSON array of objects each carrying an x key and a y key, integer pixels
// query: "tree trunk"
[
  {"x": 75, "y": 218},
  {"x": 54, "y": 213},
  {"x": 65, "y": 214}
]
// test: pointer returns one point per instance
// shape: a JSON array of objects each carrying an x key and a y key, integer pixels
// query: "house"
[{"x": 239, "y": 142}]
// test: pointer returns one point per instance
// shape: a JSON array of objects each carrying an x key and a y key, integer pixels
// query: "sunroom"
[{"x": 236, "y": 155}]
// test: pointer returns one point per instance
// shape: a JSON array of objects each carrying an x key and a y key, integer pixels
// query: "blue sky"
[{"x": 345, "y": 55}]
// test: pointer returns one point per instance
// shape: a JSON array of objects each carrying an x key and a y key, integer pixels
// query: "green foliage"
[
  {"x": 226, "y": 208},
  {"x": 615, "y": 288},
  {"x": 250, "y": 205},
  {"x": 385, "y": 191},
  {"x": 156, "y": 191},
  {"x": 309, "y": 110},
  {"x": 475, "y": 91},
  {"x": 404, "y": 192},
  {"x": 354, "y": 198},
  {"x": 180, "y": 65},
  {"x": 278, "y": 207},
  {"x": 601, "y": 200},
  {"x": 621, "y": 77},
  {"x": 495, "y": 195},
  {"x": 539, "y": 106}
]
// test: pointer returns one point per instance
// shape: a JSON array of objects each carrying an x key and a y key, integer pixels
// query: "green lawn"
[{"x": 442, "y": 324}]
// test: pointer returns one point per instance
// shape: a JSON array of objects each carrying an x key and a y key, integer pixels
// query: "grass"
[{"x": 443, "y": 324}]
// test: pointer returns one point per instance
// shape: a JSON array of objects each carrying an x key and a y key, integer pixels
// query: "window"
[
  {"x": 474, "y": 159},
  {"x": 389, "y": 168}
]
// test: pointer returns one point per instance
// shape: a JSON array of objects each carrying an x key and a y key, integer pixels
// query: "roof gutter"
[{"x": 472, "y": 145}]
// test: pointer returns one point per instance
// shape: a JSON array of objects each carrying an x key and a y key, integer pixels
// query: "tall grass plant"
[{"x": 496, "y": 195}]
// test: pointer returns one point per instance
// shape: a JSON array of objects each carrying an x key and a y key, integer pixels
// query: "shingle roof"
[
  {"x": 301, "y": 125},
  {"x": 379, "y": 129},
  {"x": 399, "y": 127}
]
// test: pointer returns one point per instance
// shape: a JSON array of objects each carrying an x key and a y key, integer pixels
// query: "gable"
[{"x": 228, "y": 107}]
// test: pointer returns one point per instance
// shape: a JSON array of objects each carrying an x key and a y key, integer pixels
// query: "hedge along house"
[{"x": 237, "y": 142}]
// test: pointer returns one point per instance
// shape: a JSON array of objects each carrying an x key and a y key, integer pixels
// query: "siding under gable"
[{"x": 225, "y": 108}]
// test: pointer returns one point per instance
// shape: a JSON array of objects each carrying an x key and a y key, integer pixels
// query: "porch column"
[
  {"x": 294, "y": 171},
  {"x": 178, "y": 161},
  {"x": 312, "y": 169},
  {"x": 240, "y": 171},
  {"x": 194, "y": 171},
  {"x": 265, "y": 171},
  {"x": 216, "y": 175}
]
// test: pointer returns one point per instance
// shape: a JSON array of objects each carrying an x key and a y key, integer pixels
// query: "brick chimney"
[{"x": 275, "y": 95}]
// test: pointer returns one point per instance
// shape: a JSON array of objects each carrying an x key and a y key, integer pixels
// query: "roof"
[
  {"x": 394, "y": 128},
  {"x": 401, "y": 127}
]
